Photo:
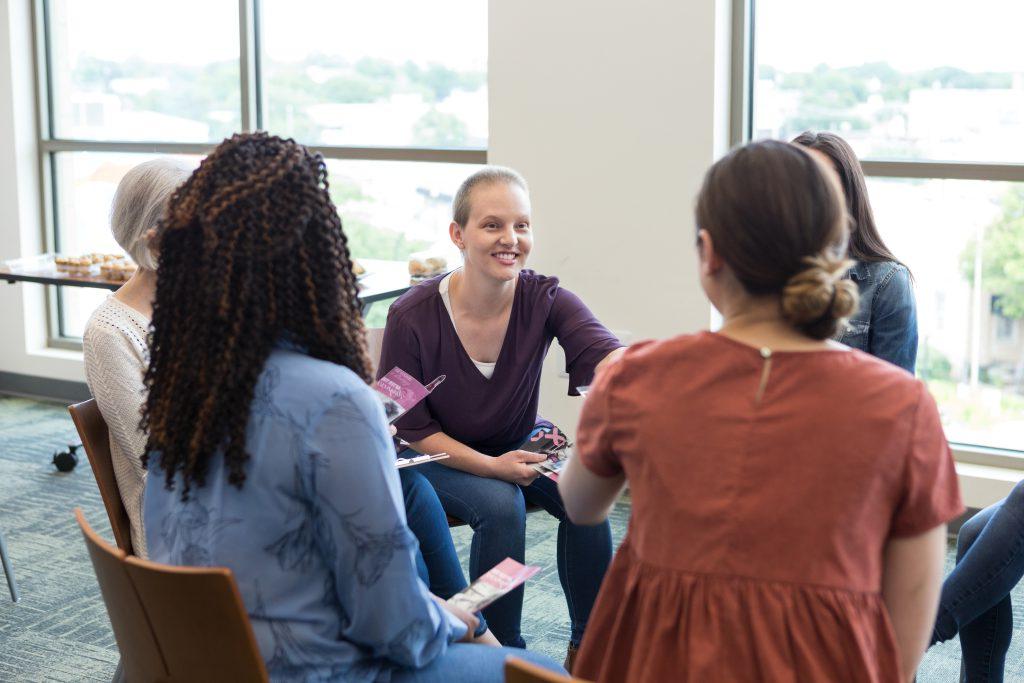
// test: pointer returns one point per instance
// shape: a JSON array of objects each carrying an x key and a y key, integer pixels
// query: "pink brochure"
[
  {"x": 507, "y": 575},
  {"x": 553, "y": 466},
  {"x": 400, "y": 391}
]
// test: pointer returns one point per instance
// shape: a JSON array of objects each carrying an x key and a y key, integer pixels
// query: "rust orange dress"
[{"x": 764, "y": 491}]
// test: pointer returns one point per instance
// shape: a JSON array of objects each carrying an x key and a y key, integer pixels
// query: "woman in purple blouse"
[{"x": 488, "y": 326}]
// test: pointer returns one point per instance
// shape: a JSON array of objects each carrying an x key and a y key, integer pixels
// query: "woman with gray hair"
[{"x": 116, "y": 353}]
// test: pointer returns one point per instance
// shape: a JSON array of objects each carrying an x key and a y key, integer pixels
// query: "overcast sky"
[
  {"x": 450, "y": 32},
  {"x": 975, "y": 35},
  {"x": 979, "y": 35}
]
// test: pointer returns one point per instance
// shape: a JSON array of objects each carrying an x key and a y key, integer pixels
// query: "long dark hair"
[
  {"x": 252, "y": 252},
  {"x": 865, "y": 242},
  {"x": 775, "y": 215}
]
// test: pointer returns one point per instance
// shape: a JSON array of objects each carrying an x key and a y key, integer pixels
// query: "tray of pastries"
[
  {"x": 425, "y": 267},
  {"x": 84, "y": 264},
  {"x": 118, "y": 271}
]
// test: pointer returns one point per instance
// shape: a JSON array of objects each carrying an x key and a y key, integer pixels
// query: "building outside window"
[
  {"x": 393, "y": 93},
  {"x": 933, "y": 103}
]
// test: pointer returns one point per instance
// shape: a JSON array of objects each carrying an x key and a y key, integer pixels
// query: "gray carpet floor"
[{"x": 59, "y": 630}]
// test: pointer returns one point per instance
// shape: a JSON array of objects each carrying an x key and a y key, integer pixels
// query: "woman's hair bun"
[{"x": 818, "y": 298}]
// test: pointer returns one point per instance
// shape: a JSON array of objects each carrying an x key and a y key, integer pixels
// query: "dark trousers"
[
  {"x": 976, "y": 595},
  {"x": 496, "y": 510}
]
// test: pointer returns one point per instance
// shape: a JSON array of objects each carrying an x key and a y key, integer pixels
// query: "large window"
[
  {"x": 933, "y": 102},
  {"x": 393, "y": 93}
]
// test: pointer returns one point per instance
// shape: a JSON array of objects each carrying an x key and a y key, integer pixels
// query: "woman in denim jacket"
[
  {"x": 886, "y": 324},
  {"x": 975, "y": 602}
]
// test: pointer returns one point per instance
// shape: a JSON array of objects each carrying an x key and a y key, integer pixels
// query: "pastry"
[
  {"x": 427, "y": 267},
  {"x": 118, "y": 271},
  {"x": 79, "y": 265},
  {"x": 417, "y": 267}
]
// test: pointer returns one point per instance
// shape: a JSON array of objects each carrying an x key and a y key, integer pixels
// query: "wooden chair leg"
[{"x": 8, "y": 570}]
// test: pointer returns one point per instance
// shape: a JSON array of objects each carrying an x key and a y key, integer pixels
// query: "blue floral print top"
[{"x": 316, "y": 537}]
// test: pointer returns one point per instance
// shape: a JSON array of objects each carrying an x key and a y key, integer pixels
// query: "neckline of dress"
[
  {"x": 774, "y": 352},
  {"x": 445, "y": 297}
]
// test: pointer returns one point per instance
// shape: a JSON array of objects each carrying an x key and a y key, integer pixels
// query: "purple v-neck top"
[{"x": 491, "y": 415}]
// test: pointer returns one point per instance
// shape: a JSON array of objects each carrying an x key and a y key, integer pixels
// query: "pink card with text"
[
  {"x": 504, "y": 577},
  {"x": 400, "y": 391}
]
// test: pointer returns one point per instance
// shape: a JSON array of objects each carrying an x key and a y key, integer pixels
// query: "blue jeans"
[
  {"x": 437, "y": 563},
  {"x": 464, "y": 663},
  {"x": 496, "y": 510},
  {"x": 976, "y": 595}
]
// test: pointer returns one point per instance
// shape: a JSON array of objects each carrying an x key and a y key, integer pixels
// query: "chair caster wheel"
[{"x": 65, "y": 461}]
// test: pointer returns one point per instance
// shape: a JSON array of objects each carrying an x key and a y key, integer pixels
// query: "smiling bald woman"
[{"x": 487, "y": 326}]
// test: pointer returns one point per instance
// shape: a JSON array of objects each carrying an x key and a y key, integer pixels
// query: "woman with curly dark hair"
[{"x": 269, "y": 454}]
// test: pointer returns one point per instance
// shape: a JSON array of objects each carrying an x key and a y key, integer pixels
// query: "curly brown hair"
[{"x": 252, "y": 253}]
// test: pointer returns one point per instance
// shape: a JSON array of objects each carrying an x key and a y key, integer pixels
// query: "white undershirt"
[{"x": 486, "y": 369}]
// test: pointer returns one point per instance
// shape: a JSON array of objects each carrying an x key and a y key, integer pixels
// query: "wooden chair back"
[
  {"x": 199, "y": 620},
  {"x": 92, "y": 429},
  {"x": 140, "y": 654},
  {"x": 174, "y": 624},
  {"x": 521, "y": 671}
]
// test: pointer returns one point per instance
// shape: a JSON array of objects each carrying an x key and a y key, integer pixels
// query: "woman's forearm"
[
  {"x": 911, "y": 583},
  {"x": 588, "y": 498},
  {"x": 460, "y": 456}
]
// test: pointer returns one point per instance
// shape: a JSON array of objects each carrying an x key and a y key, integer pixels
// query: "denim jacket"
[{"x": 886, "y": 324}]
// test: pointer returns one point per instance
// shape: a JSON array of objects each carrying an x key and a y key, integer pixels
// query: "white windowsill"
[
  {"x": 56, "y": 352},
  {"x": 986, "y": 474},
  {"x": 982, "y": 485},
  {"x": 993, "y": 457}
]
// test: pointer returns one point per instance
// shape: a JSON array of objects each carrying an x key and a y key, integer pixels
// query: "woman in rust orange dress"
[{"x": 789, "y": 494}]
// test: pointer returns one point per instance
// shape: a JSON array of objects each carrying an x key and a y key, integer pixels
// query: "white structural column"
[{"x": 612, "y": 111}]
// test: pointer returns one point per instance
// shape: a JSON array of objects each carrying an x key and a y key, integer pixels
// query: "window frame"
[
  {"x": 252, "y": 108},
  {"x": 741, "y": 120}
]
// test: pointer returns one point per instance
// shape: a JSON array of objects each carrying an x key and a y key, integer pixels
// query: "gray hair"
[
  {"x": 485, "y": 176},
  {"x": 139, "y": 205}
]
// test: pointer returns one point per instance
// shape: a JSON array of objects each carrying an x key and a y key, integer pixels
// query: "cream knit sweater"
[{"x": 116, "y": 357}]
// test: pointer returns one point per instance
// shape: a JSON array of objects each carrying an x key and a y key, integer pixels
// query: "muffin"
[
  {"x": 118, "y": 271},
  {"x": 417, "y": 268},
  {"x": 425, "y": 267},
  {"x": 80, "y": 265}
]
